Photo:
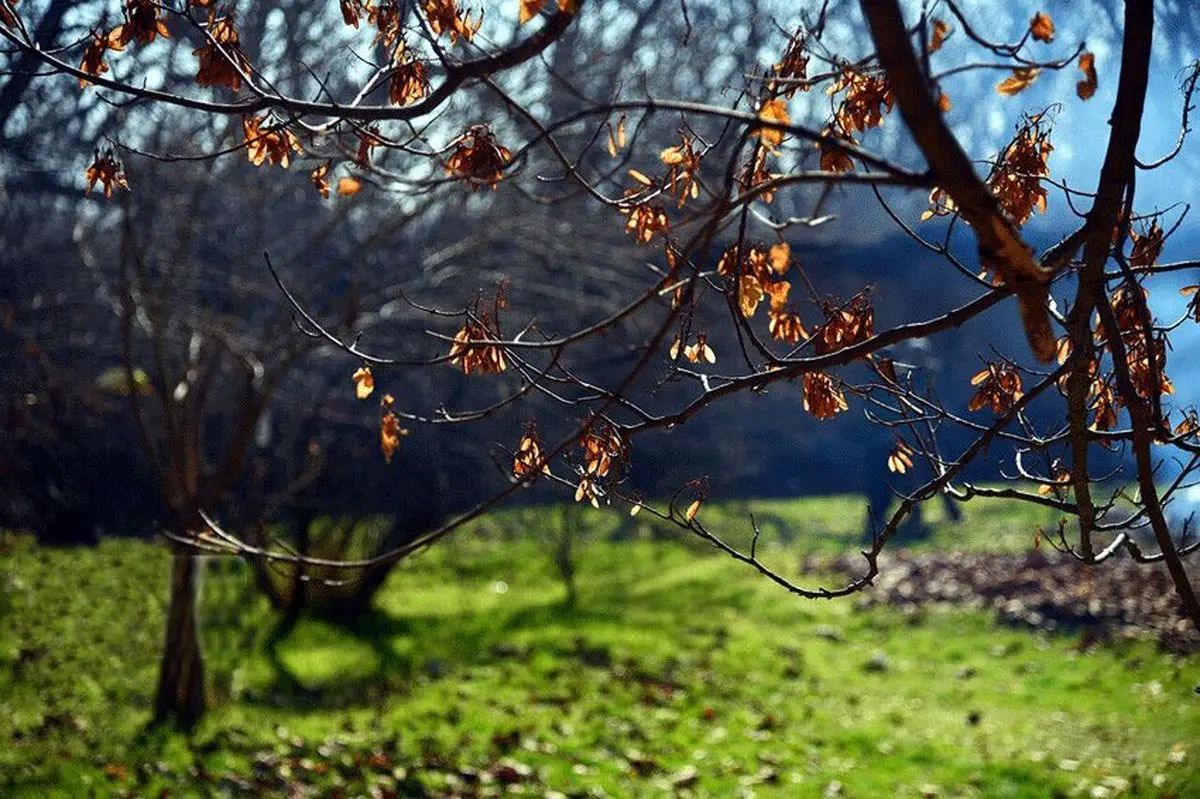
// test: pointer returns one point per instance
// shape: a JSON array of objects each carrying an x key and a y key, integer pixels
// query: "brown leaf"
[
  {"x": 348, "y": 187},
  {"x": 780, "y": 257},
  {"x": 478, "y": 158},
  {"x": 640, "y": 177},
  {"x": 822, "y": 397},
  {"x": 774, "y": 110},
  {"x": 941, "y": 29},
  {"x": 106, "y": 170},
  {"x": 318, "y": 175},
  {"x": 364, "y": 382},
  {"x": 93, "y": 57},
  {"x": 1087, "y": 87},
  {"x": 390, "y": 430},
  {"x": 1021, "y": 79},
  {"x": 1042, "y": 27},
  {"x": 530, "y": 9},
  {"x": 900, "y": 458}
]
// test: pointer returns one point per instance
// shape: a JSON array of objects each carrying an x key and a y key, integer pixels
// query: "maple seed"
[
  {"x": 834, "y": 158},
  {"x": 587, "y": 490},
  {"x": 640, "y": 177},
  {"x": 786, "y": 326},
  {"x": 822, "y": 397},
  {"x": 410, "y": 78},
  {"x": 646, "y": 220},
  {"x": 529, "y": 460},
  {"x": 700, "y": 351},
  {"x": 1194, "y": 305},
  {"x": 1017, "y": 178},
  {"x": 780, "y": 256},
  {"x": 616, "y": 139},
  {"x": 999, "y": 387},
  {"x": 900, "y": 458},
  {"x": 470, "y": 353}
]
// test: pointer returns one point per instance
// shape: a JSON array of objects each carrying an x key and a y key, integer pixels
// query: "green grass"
[{"x": 674, "y": 659}]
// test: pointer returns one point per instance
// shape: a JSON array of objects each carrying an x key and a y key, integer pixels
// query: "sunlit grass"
[{"x": 674, "y": 658}]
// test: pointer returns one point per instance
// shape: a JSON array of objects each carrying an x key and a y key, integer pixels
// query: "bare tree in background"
[{"x": 720, "y": 183}]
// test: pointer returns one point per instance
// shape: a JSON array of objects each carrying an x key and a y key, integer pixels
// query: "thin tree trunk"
[{"x": 181, "y": 696}]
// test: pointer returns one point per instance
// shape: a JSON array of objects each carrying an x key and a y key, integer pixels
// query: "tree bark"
[
  {"x": 1000, "y": 244},
  {"x": 181, "y": 696}
]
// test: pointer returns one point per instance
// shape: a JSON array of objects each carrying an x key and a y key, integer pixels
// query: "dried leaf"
[
  {"x": 348, "y": 187},
  {"x": 317, "y": 176},
  {"x": 445, "y": 17},
  {"x": 900, "y": 458},
  {"x": 108, "y": 171},
  {"x": 268, "y": 145},
  {"x": 941, "y": 29},
  {"x": 774, "y": 110},
  {"x": 1041, "y": 27},
  {"x": 1087, "y": 87},
  {"x": 1021, "y": 79},
  {"x": 390, "y": 431},
  {"x": 692, "y": 510},
  {"x": 93, "y": 57},
  {"x": 750, "y": 294},
  {"x": 222, "y": 62},
  {"x": 780, "y": 257},
  {"x": 640, "y": 177},
  {"x": 529, "y": 460},
  {"x": 822, "y": 396},
  {"x": 364, "y": 382},
  {"x": 530, "y": 9},
  {"x": 478, "y": 158}
]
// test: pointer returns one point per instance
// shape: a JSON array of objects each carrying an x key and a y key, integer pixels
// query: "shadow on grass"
[{"x": 405, "y": 650}]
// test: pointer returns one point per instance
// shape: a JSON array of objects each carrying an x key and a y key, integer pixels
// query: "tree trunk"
[{"x": 181, "y": 696}]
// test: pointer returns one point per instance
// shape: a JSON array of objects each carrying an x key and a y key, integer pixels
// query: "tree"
[{"x": 684, "y": 128}]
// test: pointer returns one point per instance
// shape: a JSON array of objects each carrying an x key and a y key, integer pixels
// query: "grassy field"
[{"x": 678, "y": 672}]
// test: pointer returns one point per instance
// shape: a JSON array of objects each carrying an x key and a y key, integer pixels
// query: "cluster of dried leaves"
[
  {"x": 998, "y": 387},
  {"x": 475, "y": 348},
  {"x": 478, "y": 160}
]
